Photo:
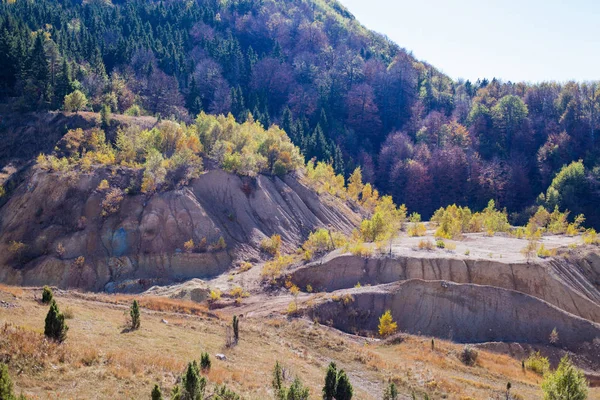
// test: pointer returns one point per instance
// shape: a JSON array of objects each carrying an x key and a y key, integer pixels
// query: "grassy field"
[{"x": 102, "y": 360}]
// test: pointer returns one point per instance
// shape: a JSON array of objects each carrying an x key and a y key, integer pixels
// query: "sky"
[{"x": 513, "y": 40}]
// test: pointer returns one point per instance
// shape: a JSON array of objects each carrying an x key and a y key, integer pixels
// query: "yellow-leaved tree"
[{"x": 387, "y": 326}]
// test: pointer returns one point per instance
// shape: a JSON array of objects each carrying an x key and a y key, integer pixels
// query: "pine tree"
[
  {"x": 343, "y": 390},
  {"x": 6, "y": 385},
  {"x": 205, "y": 362},
  {"x": 55, "y": 327},
  {"x": 329, "y": 390},
  {"x": 236, "y": 328},
  {"x": 156, "y": 393},
  {"x": 297, "y": 391},
  {"x": 64, "y": 83},
  {"x": 391, "y": 392},
  {"x": 193, "y": 384},
  {"x": 134, "y": 313},
  {"x": 277, "y": 382}
]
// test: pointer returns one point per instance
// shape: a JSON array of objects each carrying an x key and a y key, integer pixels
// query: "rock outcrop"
[
  {"x": 568, "y": 283},
  {"x": 464, "y": 313},
  {"x": 53, "y": 231}
]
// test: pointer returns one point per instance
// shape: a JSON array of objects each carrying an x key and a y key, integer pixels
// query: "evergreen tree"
[
  {"x": 205, "y": 362},
  {"x": 64, "y": 83},
  {"x": 156, "y": 393},
  {"x": 38, "y": 65},
  {"x": 236, "y": 328},
  {"x": 55, "y": 326},
  {"x": 329, "y": 390},
  {"x": 277, "y": 382},
  {"x": 134, "y": 313},
  {"x": 105, "y": 116},
  {"x": 391, "y": 392},
  {"x": 6, "y": 385},
  {"x": 297, "y": 391},
  {"x": 193, "y": 384},
  {"x": 343, "y": 390}
]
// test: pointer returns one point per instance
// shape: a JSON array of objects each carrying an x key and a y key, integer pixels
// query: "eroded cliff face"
[
  {"x": 461, "y": 312},
  {"x": 58, "y": 218},
  {"x": 570, "y": 283}
]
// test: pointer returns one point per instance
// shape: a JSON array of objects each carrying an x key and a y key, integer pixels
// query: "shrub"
[
  {"x": 47, "y": 295},
  {"x": 55, "y": 327},
  {"x": 221, "y": 245},
  {"x": 567, "y": 382},
  {"x": 468, "y": 355},
  {"x": 245, "y": 266},
  {"x": 425, "y": 245},
  {"x": 273, "y": 269},
  {"x": 271, "y": 245},
  {"x": 543, "y": 252},
  {"x": 205, "y": 362},
  {"x": 112, "y": 202},
  {"x": 215, "y": 295},
  {"x": 6, "y": 385},
  {"x": 189, "y": 246},
  {"x": 387, "y": 326},
  {"x": 530, "y": 250},
  {"x": 134, "y": 313},
  {"x": 440, "y": 244},
  {"x": 537, "y": 363},
  {"x": 416, "y": 228},
  {"x": 103, "y": 185},
  {"x": 105, "y": 116},
  {"x": 591, "y": 237},
  {"x": 360, "y": 249},
  {"x": 553, "y": 338},
  {"x": 321, "y": 241}
]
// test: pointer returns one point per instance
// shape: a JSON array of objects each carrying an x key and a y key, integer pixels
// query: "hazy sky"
[{"x": 516, "y": 40}]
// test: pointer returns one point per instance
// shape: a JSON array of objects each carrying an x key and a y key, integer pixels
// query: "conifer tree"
[
  {"x": 205, "y": 362},
  {"x": 330, "y": 382},
  {"x": 156, "y": 393},
  {"x": 343, "y": 390},
  {"x": 391, "y": 392},
  {"x": 194, "y": 385},
  {"x": 236, "y": 328},
  {"x": 55, "y": 327},
  {"x": 6, "y": 385},
  {"x": 134, "y": 313}
]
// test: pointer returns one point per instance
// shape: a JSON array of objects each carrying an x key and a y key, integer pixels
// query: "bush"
[
  {"x": 112, "y": 202},
  {"x": 215, "y": 295},
  {"x": 55, "y": 327},
  {"x": 567, "y": 382},
  {"x": 224, "y": 393},
  {"x": 322, "y": 241},
  {"x": 591, "y": 237},
  {"x": 47, "y": 295},
  {"x": 440, "y": 244},
  {"x": 205, "y": 362},
  {"x": 189, "y": 246},
  {"x": 468, "y": 355},
  {"x": 273, "y": 269},
  {"x": 133, "y": 111},
  {"x": 271, "y": 245},
  {"x": 134, "y": 313},
  {"x": 387, "y": 326},
  {"x": 543, "y": 252},
  {"x": 537, "y": 363},
  {"x": 425, "y": 245},
  {"x": 360, "y": 249}
]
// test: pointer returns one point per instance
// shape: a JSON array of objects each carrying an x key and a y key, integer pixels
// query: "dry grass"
[
  {"x": 99, "y": 360},
  {"x": 14, "y": 290}
]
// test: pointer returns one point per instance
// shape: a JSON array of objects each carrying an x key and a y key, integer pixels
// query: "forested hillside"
[{"x": 342, "y": 93}]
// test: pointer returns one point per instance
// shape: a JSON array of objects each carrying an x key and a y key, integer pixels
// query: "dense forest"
[{"x": 342, "y": 93}]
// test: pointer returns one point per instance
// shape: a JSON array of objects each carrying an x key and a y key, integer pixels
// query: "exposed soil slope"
[{"x": 142, "y": 243}]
